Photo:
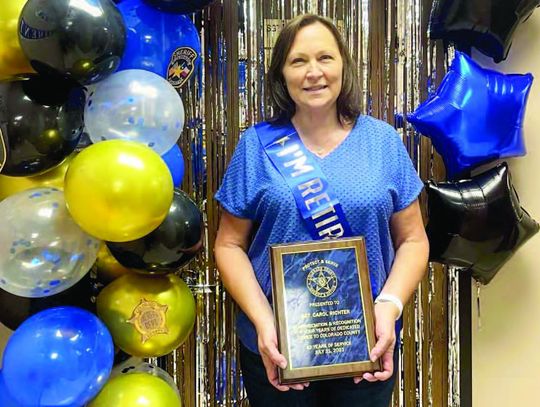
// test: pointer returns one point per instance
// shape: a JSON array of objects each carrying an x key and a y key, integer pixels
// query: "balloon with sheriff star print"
[
  {"x": 475, "y": 116},
  {"x": 163, "y": 43}
]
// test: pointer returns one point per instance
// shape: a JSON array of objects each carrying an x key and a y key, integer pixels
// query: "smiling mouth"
[{"x": 315, "y": 88}]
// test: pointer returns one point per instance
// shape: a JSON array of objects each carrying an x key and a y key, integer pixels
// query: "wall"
[{"x": 506, "y": 349}]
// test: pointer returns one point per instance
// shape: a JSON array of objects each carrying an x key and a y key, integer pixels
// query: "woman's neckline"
[{"x": 334, "y": 148}]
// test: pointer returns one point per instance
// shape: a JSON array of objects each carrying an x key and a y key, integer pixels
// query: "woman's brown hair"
[{"x": 348, "y": 101}]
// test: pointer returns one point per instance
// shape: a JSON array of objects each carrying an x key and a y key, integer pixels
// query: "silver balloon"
[
  {"x": 135, "y": 105},
  {"x": 42, "y": 250}
]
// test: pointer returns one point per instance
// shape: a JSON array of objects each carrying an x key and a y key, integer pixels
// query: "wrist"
[{"x": 390, "y": 299}]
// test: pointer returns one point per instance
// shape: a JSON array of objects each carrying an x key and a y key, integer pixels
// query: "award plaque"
[{"x": 324, "y": 309}]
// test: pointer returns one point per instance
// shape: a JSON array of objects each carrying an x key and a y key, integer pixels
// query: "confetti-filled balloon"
[
  {"x": 60, "y": 357},
  {"x": 487, "y": 25},
  {"x": 135, "y": 105},
  {"x": 475, "y": 116},
  {"x": 82, "y": 39},
  {"x": 477, "y": 223},
  {"x": 42, "y": 250},
  {"x": 164, "y": 43}
]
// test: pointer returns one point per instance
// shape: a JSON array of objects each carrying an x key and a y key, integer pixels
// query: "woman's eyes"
[{"x": 321, "y": 58}]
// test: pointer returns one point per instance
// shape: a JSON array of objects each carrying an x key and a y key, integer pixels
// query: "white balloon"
[
  {"x": 42, "y": 250},
  {"x": 135, "y": 105}
]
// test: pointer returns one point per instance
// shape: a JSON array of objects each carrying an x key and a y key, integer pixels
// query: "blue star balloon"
[{"x": 475, "y": 116}]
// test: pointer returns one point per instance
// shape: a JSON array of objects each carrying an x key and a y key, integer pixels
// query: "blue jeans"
[{"x": 327, "y": 393}]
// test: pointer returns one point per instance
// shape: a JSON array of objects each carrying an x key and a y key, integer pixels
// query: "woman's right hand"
[{"x": 267, "y": 342}]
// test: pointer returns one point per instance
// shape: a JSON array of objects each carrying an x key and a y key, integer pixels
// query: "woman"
[{"x": 314, "y": 92}]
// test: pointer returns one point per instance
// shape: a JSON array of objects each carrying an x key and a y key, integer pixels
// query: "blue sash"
[{"x": 316, "y": 201}]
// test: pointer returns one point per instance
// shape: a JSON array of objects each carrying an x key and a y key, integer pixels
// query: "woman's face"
[{"x": 313, "y": 69}]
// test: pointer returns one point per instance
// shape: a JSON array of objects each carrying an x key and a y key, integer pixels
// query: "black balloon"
[
  {"x": 82, "y": 39},
  {"x": 172, "y": 245},
  {"x": 42, "y": 121},
  {"x": 179, "y": 6},
  {"x": 14, "y": 310},
  {"x": 487, "y": 25},
  {"x": 477, "y": 223}
]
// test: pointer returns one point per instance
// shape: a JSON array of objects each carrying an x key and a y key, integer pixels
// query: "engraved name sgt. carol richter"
[{"x": 372, "y": 190}]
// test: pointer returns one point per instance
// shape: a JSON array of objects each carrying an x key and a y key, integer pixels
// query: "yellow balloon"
[
  {"x": 148, "y": 316},
  {"x": 136, "y": 390},
  {"x": 52, "y": 178},
  {"x": 12, "y": 59},
  {"x": 118, "y": 190},
  {"x": 108, "y": 268}
]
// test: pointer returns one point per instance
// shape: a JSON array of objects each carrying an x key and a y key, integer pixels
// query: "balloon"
[
  {"x": 12, "y": 59},
  {"x": 175, "y": 161},
  {"x": 487, "y": 25},
  {"x": 42, "y": 251},
  {"x": 179, "y": 6},
  {"x": 164, "y": 43},
  {"x": 108, "y": 268},
  {"x": 173, "y": 244},
  {"x": 82, "y": 39},
  {"x": 42, "y": 122},
  {"x": 148, "y": 316},
  {"x": 136, "y": 390},
  {"x": 477, "y": 223},
  {"x": 135, "y": 105},
  {"x": 53, "y": 178},
  {"x": 118, "y": 190},
  {"x": 6, "y": 400},
  {"x": 59, "y": 357},
  {"x": 14, "y": 310},
  {"x": 475, "y": 116},
  {"x": 137, "y": 365}
]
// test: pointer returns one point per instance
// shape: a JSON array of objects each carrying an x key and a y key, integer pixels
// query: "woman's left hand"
[{"x": 385, "y": 332}]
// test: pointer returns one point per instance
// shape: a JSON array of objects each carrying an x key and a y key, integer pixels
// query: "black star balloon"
[
  {"x": 477, "y": 223},
  {"x": 475, "y": 116},
  {"x": 179, "y": 6},
  {"x": 172, "y": 245},
  {"x": 487, "y": 25}
]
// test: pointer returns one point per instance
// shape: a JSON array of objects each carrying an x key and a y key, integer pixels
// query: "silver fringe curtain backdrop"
[{"x": 397, "y": 68}]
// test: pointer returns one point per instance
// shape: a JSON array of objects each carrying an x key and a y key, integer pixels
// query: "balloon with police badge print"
[
  {"x": 167, "y": 44},
  {"x": 83, "y": 39},
  {"x": 148, "y": 316}
]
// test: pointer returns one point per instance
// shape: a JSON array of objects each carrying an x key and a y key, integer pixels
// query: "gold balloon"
[
  {"x": 52, "y": 178},
  {"x": 12, "y": 59},
  {"x": 136, "y": 390},
  {"x": 108, "y": 268},
  {"x": 148, "y": 316},
  {"x": 118, "y": 190}
]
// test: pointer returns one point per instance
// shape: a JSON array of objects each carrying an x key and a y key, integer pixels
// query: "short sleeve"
[
  {"x": 237, "y": 193},
  {"x": 406, "y": 184}
]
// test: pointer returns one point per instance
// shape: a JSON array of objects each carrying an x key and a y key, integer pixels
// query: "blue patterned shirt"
[{"x": 371, "y": 174}]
